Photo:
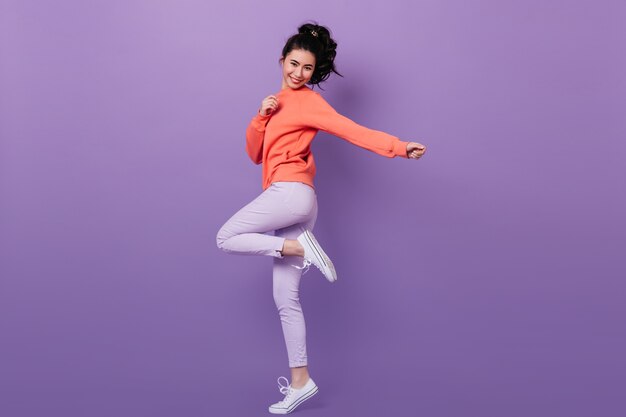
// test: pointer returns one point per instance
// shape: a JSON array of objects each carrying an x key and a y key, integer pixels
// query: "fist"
[
  {"x": 268, "y": 105},
  {"x": 415, "y": 150}
]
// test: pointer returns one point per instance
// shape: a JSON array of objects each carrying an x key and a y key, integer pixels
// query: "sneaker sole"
[
  {"x": 294, "y": 405},
  {"x": 321, "y": 256}
]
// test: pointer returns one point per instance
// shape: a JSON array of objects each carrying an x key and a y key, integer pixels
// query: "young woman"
[{"x": 279, "y": 136}]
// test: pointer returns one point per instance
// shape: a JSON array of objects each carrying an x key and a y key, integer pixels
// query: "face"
[{"x": 298, "y": 68}]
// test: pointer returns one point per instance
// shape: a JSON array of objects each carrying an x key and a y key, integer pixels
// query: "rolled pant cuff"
[{"x": 280, "y": 243}]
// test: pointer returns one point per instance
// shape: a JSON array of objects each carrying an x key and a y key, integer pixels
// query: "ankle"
[
  {"x": 299, "y": 383},
  {"x": 299, "y": 250},
  {"x": 300, "y": 380},
  {"x": 292, "y": 248}
]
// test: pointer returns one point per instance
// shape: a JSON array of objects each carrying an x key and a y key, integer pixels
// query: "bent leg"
[{"x": 247, "y": 231}]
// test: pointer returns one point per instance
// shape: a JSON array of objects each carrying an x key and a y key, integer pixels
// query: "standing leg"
[{"x": 286, "y": 289}]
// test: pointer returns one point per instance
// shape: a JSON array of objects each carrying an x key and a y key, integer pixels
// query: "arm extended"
[{"x": 321, "y": 115}]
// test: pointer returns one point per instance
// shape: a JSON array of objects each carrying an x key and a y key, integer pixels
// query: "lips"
[{"x": 295, "y": 81}]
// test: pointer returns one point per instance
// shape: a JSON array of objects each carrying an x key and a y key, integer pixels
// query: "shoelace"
[
  {"x": 307, "y": 264},
  {"x": 286, "y": 390}
]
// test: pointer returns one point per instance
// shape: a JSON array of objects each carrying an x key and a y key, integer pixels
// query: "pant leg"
[
  {"x": 286, "y": 280},
  {"x": 247, "y": 231}
]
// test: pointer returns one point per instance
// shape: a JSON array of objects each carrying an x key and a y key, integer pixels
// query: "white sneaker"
[
  {"x": 314, "y": 254},
  {"x": 293, "y": 397}
]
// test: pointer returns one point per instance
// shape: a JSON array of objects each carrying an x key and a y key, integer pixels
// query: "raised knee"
[{"x": 221, "y": 238}]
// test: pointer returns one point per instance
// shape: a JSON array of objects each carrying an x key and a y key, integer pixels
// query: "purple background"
[{"x": 485, "y": 279}]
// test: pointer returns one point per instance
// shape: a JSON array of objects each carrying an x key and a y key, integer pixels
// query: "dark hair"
[{"x": 315, "y": 39}]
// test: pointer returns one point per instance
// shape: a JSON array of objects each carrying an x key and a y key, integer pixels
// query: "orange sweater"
[{"x": 282, "y": 140}]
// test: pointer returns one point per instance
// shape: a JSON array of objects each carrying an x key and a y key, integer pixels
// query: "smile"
[{"x": 295, "y": 80}]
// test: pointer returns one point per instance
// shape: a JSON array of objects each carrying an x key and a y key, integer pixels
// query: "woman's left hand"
[{"x": 415, "y": 150}]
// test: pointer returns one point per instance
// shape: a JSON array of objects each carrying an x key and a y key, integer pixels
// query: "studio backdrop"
[{"x": 484, "y": 279}]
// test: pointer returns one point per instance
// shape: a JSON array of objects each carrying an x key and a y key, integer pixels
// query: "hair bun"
[{"x": 308, "y": 29}]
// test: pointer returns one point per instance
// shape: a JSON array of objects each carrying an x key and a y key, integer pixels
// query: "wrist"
[{"x": 401, "y": 148}]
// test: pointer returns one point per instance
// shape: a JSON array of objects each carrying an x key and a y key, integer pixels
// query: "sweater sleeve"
[
  {"x": 320, "y": 115},
  {"x": 254, "y": 137}
]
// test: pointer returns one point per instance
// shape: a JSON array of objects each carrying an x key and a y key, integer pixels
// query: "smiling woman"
[{"x": 279, "y": 136}]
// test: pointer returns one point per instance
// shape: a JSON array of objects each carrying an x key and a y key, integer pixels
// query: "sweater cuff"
[
  {"x": 259, "y": 121},
  {"x": 399, "y": 148}
]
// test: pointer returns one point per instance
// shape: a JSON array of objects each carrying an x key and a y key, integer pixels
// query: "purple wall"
[{"x": 485, "y": 279}]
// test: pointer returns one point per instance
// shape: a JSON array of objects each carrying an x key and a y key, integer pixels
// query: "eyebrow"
[{"x": 310, "y": 65}]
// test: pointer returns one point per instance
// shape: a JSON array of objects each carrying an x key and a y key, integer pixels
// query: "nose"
[{"x": 298, "y": 72}]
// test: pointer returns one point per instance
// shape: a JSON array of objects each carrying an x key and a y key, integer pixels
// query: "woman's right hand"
[
  {"x": 268, "y": 105},
  {"x": 415, "y": 150}
]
